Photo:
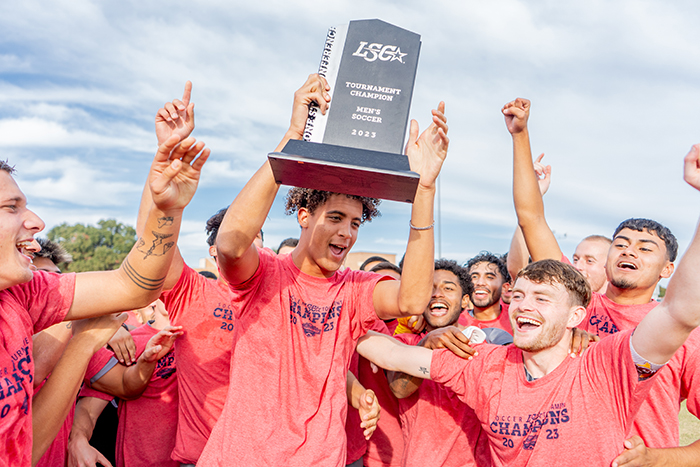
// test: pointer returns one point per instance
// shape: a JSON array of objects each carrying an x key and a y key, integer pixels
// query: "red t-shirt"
[
  {"x": 294, "y": 337},
  {"x": 203, "y": 353},
  {"x": 147, "y": 425},
  {"x": 56, "y": 452},
  {"x": 656, "y": 422},
  {"x": 25, "y": 310},
  {"x": 502, "y": 322},
  {"x": 438, "y": 428},
  {"x": 385, "y": 447},
  {"x": 579, "y": 414}
]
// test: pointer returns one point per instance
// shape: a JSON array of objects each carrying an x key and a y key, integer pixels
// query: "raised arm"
[
  {"x": 529, "y": 208},
  {"x": 174, "y": 118},
  {"x": 518, "y": 254},
  {"x": 52, "y": 403},
  {"x": 410, "y": 295},
  {"x": 128, "y": 383},
  {"x": 666, "y": 327},
  {"x": 173, "y": 181},
  {"x": 237, "y": 256}
]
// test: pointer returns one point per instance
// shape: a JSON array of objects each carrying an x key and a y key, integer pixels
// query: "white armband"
[{"x": 645, "y": 368}]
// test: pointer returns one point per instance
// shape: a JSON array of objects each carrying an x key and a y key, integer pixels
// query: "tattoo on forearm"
[
  {"x": 143, "y": 282},
  {"x": 423, "y": 370},
  {"x": 158, "y": 241},
  {"x": 164, "y": 222}
]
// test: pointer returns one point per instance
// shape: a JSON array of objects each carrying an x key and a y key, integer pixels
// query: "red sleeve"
[
  {"x": 175, "y": 298},
  {"x": 690, "y": 374},
  {"x": 613, "y": 374},
  {"x": 464, "y": 377},
  {"x": 87, "y": 391},
  {"x": 47, "y": 297},
  {"x": 363, "y": 293}
]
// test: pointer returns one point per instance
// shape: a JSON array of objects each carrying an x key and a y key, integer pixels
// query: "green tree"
[{"x": 100, "y": 248}]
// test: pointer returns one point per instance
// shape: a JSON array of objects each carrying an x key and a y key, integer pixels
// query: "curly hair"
[
  {"x": 298, "y": 198},
  {"x": 488, "y": 257},
  {"x": 53, "y": 251},
  {"x": 5, "y": 166},
  {"x": 461, "y": 272}
]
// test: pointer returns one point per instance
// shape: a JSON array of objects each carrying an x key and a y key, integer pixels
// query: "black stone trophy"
[{"x": 356, "y": 148}]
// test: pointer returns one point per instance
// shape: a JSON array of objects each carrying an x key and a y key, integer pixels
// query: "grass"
[{"x": 690, "y": 426}]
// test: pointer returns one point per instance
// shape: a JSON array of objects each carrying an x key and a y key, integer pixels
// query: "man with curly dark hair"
[{"x": 299, "y": 315}]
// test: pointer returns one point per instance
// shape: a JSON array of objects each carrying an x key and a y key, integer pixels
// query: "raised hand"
[
  {"x": 369, "y": 412},
  {"x": 175, "y": 172},
  {"x": 176, "y": 117},
  {"x": 544, "y": 174},
  {"x": 691, "y": 172},
  {"x": 427, "y": 152},
  {"x": 314, "y": 90},
  {"x": 159, "y": 345},
  {"x": 516, "y": 113}
]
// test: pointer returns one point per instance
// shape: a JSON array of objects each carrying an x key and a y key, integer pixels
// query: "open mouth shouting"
[
  {"x": 481, "y": 294},
  {"x": 438, "y": 308},
  {"x": 25, "y": 248},
  {"x": 527, "y": 323},
  {"x": 627, "y": 265},
  {"x": 338, "y": 250}
]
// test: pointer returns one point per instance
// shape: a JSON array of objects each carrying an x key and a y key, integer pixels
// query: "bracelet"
[
  {"x": 410, "y": 224},
  {"x": 125, "y": 326}
]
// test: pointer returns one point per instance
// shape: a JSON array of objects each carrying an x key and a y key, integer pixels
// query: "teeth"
[
  {"x": 628, "y": 265},
  {"x": 524, "y": 320},
  {"x": 437, "y": 305},
  {"x": 24, "y": 244}
]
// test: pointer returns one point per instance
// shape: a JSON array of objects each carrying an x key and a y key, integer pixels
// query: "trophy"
[{"x": 357, "y": 147}]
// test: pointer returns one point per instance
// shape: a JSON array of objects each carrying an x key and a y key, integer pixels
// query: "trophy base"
[{"x": 340, "y": 169}]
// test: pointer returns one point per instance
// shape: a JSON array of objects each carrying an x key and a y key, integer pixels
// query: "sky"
[{"x": 613, "y": 84}]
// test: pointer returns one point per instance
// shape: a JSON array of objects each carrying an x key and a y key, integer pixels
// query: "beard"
[
  {"x": 437, "y": 322},
  {"x": 623, "y": 284},
  {"x": 549, "y": 338},
  {"x": 487, "y": 302}
]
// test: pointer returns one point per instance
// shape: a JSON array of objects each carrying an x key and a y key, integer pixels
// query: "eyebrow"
[
  {"x": 641, "y": 240},
  {"x": 645, "y": 240},
  {"x": 341, "y": 213}
]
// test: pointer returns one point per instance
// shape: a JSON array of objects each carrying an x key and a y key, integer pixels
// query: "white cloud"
[{"x": 71, "y": 181}]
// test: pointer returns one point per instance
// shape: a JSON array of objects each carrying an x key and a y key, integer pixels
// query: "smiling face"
[
  {"x": 589, "y": 258},
  {"x": 446, "y": 302},
  {"x": 18, "y": 225},
  {"x": 637, "y": 260},
  {"x": 487, "y": 281},
  {"x": 328, "y": 234},
  {"x": 540, "y": 314}
]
